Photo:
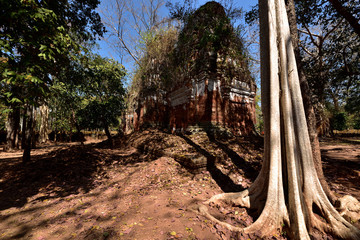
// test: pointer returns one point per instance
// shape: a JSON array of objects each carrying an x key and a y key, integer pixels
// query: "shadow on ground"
[
  {"x": 56, "y": 174},
  {"x": 71, "y": 169}
]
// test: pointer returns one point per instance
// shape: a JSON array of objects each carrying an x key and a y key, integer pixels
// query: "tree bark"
[
  {"x": 33, "y": 128},
  {"x": 23, "y": 128},
  {"x": 306, "y": 97},
  {"x": 28, "y": 132},
  {"x": 108, "y": 134},
  {"x": 12, "y": 128},
  {"x": 44, "y": 124},
  {"x": 347, "y": 15},
  {"x": 75, "y": 121}
]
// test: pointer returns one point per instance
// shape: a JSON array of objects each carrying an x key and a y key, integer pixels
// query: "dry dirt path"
[
  {"x": 136, "y": 190},
  {"x": 341, "y": 164}
]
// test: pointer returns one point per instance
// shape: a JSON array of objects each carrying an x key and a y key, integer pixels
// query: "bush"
[
  {"x": 357, "y": 123},
  {"x": 339, "y": 121}
]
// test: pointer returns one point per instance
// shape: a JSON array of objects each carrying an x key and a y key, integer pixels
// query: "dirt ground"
[{"x": 139, "y": 189}]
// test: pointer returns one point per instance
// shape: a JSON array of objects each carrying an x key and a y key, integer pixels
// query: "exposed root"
[
  {"x": 349, "y": 208},
  {"x": 203, "y": 210},
  {"x": 241, "y": 198},
  {"x": 267, "y": 223},
  {"x": 335, "y": 223}
]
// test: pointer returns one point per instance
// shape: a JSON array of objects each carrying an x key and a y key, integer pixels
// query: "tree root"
[
  {"x": 266, "y": 224},
  {"x": 333, "y": 222},
  {"x": 349, "y": 208},
  {"x": 329, "y": 220}
]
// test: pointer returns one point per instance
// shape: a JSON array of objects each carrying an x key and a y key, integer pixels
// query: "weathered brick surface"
[{"x": 217, "y": 109}]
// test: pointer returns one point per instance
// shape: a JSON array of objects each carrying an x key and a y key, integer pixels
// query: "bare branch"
[
  {"x": 307, "y": 50},
  {"x": 312, "y": 35},
  {"x": 127, "y": 22}
]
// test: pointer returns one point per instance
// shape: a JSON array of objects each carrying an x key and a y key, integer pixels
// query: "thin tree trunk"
[
  {"x": 74, "y": 121},
  {"x": 44, "y": 124},
  {"x": 12, "y": 128},
  {"x": 23, "y": 128},
  {"x": 28, "y": 134},
  {"x": 108, "y": 134},
  {"x": 33, "y": 128},
  {"x": 306, "y": 96}
]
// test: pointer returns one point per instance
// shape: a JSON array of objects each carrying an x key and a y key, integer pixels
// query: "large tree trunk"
[
  {"x": 287, "y": 190},
  {"x": 28, "y": 132},
  {"x": 306, "y": 96},
  {"x": 12, "y": 128},
  {"x": 44, "y": 124}
]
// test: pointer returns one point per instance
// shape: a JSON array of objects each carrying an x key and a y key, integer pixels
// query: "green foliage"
[
  {"x": 353, "y": 101},
  {"x": 208, "y": 37},
  {"x": 65, "y": 100},
  {"x": 357, "y": 123},
  {"x": 103, "y": 93},
  {"x": 156, "y": 69},
  {"x": 97, "y": 114},
  {"x": 339, "y": 121},
  {"x": 2, "y": 117},
  {"x": 37, "y": 41}
]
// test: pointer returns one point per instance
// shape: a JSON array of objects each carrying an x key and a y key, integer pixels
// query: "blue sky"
[{"x": 106, "y": 51}]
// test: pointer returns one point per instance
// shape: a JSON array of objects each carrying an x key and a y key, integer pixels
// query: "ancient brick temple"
[
  {"x": 207, "y": 103},
  {"x": 211, "y": 87}
]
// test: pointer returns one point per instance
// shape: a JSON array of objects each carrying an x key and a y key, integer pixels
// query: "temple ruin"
[{"x": 211, "y": 86}]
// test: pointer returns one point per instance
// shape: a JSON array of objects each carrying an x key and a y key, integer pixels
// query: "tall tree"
[
  {"x": 38, "y": 38},
  {"x": 287, "y": 190},
  {"x": 306, "y": 96},
  {"x": 44, "y": 123},
  {"x": 104, "y": 93},
  {"x": 327, "y": 62}
]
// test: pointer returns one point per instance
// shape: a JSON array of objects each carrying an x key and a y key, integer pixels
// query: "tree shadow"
[
  {"x": 250, "y": 169},
  {"x": 347, "y": 140},
  {"x": 58, "y": 173},
  {"x": 71, "y": 169},
  {"x": 222, "y": 180},
  {"x": 57, "y": 218},
  {"x": 342, "y": 175}
]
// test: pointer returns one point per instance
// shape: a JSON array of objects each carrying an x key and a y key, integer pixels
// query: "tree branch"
[
  {"x": 311, "y": 35},
  {"x": 306, "y": 50},
  {"x": 347, "y": 15}
]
